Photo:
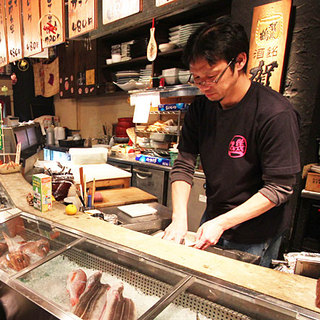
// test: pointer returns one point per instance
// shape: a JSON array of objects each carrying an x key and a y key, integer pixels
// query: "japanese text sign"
[
  {"x": 82, "y": 16},
  {"x": 31, "y": 37},
  {"x": 3, "y": 36},
  {"x": 268, "y": 43},
  {"x": 52, "y": 22},
  {"x": 14, "y": 30}
]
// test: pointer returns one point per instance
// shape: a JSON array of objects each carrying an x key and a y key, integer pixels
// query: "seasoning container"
[{"x": 50, "y": 136}]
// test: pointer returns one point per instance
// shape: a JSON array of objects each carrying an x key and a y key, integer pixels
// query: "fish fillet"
[
  {"x": 118, "y": 307},
  {"x": 89, "y": 295},
  {"x": 76, "y": 284}
]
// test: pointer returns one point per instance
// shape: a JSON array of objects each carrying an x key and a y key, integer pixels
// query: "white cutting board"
[
  {"x": 99, "y": 172},
  {"x": 137, "y": 209}
]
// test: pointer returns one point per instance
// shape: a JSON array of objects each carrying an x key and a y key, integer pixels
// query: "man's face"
[{"x": 215, "y": 81}]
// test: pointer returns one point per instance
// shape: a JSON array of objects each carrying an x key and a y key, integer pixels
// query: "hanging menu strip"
[
  {"x": 3, "y": 36},
  {"x": 82, "y": 17},
  {"x": 14, "y": 29},
  {"x": 52, "y": 22},
  {"x": 31, "y": 38}
]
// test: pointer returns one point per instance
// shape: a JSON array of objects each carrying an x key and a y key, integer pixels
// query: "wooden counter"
[{"x": 294, "y": 289}]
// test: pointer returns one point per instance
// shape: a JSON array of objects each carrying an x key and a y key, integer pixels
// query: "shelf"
[
  {"x": 142, "y": 59},
  {"x": 164, "y": 132},
  {"x": 167, "y": 112}
]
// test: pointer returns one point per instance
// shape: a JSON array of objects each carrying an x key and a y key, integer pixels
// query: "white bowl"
[
  {"x": 184, "y": 76},
  {"x": 164, "y": 47},
  {"x": 116, "y": 58},
  {"x": 130, "y": 85},
  {"x": 171, "y": 75}
]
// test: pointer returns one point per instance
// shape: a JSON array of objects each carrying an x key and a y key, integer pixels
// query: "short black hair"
[{"x": 222, "y": 40}]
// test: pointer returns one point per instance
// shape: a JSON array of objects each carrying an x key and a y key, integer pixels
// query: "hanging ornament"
[
  {"x": 23, "y": 65},
  {"x": 152, "y": 45}
]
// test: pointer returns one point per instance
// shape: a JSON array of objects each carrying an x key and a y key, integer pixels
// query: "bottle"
[
  {"x": 50, "y": 135},
  {"x": 56, "y": 135}
]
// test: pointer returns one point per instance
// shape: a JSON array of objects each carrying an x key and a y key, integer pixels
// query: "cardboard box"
[
  {"x": 313, "y": 182},
  {"x": 42, "y": 192}
]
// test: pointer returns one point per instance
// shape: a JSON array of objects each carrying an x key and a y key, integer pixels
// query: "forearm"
[
  {"x": 253, "y": 207},
  {"x": 180, "y": 197}
]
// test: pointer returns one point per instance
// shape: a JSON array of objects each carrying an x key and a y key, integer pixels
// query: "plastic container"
[{"x": 173, "y": 155}]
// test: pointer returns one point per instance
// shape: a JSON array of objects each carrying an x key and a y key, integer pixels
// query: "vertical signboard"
[
  {"x": 14, "y": 30},
  {"x": 1, "y": 132},
  {"x": 82, "y": 17},
  {"x": 268, "y": 43},
  {"x": 3, "y": 36},
  {"x": 31, "y": 35},
  {"x": 52, "y": 22},
  {"x": 113, "y": 10}
]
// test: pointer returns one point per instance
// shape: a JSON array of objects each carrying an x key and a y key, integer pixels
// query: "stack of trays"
[{"x": 179, "y": 35}]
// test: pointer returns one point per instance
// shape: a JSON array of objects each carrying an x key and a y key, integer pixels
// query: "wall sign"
[
  {"x": 31, "y": 37},
  {"x": 52, "y": 22},
  {"x": 82, "y": 16},
  {"x": 162, "y": 2},
  {"x": 268, "y": 43},
  {"x": 113, "y": 10},
  {"x": 3, "y": 36},
  {"x": 14, "y": 30}
]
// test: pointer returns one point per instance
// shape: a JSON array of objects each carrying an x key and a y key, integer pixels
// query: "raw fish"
[
  {"x": 92, "y": 288},
  {"x": 117, "y": 307},
  {"x": 3, "y": 248},
  {"x": 15, "y": 260},
  {"x": 76, "y": 284},
  {"x": 40, "y": 247}
]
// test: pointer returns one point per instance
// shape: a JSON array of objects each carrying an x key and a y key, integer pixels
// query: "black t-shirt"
[{"x": 237, "y": 146}]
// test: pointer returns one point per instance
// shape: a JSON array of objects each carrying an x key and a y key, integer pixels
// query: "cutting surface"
[
  {"x": 294, "y": 289},
  {"x": 122, "y": 196},
  {"x": 99, "y": 172}
]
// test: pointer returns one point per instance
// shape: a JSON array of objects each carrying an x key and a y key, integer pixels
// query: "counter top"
[{"x": 290, "y": 288}]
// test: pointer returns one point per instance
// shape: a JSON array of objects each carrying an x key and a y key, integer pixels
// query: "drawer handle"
[{"x": 142, "y": 174}]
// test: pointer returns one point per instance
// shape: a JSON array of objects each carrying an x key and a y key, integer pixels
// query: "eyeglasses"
[{"x": 210, "y": 81}]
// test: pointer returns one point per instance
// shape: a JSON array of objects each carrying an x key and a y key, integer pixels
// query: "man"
[{"x": 247, "y": 138}]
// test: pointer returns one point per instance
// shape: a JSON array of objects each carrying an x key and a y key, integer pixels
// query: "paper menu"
[{"x": 142, "y": 103}]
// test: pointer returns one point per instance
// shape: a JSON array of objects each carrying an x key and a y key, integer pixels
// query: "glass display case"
[{"x": 74, "y": 275}]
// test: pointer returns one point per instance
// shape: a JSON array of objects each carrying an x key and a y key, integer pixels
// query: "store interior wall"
[{"x": 89, "y": 114}]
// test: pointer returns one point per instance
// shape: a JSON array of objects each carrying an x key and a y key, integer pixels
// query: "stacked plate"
[
  {"x": 126, "y": 75},
  {"x": 179, "y": 35},
  {"x": 146, "y": 74}
]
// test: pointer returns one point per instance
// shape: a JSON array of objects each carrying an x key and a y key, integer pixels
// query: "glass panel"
[
  {"x": 117, "y": 269},
  {"x": 25, "y": 241}
]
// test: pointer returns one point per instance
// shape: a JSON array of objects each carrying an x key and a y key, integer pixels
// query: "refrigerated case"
[
  {"x": 159, "y": 289},
  {"x": 151, "y": 180},
  {"x": 197, "y": 202}
]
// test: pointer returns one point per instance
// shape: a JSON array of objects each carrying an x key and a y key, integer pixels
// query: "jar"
[{"x": 122, "y": 126}]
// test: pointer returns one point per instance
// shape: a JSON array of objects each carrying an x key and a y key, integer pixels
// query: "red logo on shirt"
[{"x": 237, "y": 147}]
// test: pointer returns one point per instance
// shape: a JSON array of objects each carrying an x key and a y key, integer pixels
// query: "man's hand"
[
  {"x": 176, "y": 231},
  {"x": 208, "y": 234}
]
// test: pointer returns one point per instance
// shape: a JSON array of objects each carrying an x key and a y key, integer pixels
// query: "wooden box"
[{"x": 313, "y": 182}]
